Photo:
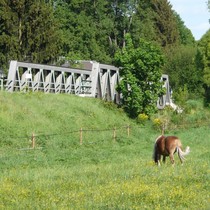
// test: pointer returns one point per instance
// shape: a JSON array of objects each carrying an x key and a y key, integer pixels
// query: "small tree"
[{"x": 140, "y": 73}]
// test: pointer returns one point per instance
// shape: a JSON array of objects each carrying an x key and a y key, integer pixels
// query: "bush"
[{"x": 142, "y": 119}]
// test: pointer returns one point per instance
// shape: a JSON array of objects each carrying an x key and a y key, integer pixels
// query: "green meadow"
[{"x": 101, "y": 172}]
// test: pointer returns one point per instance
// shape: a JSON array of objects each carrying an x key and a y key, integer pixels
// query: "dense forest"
[{"x": 43, "y": 31}]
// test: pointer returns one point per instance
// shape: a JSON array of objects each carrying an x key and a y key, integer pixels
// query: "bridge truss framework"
[{"x": 93, "y": 80}]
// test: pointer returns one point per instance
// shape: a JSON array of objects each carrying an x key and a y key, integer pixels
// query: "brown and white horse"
[{"x": 167, "y": 146}]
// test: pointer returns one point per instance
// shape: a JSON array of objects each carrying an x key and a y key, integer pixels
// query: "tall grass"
[{"x": 99, "y": 174}]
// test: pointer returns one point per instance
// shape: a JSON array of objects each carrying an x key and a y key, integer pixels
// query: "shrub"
[{"x": 142, "y": 118}]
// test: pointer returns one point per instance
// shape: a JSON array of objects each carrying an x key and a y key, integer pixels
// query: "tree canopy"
[
  {"x": 140, "y": 73},
  {"x": 28, "y": 31},
  {"x": 41, "y": 31},
  {"x": 203, "y": 62}
]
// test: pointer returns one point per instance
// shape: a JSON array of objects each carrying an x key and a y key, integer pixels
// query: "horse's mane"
[
  {"x": 158, "y": 138},
  {"x": 155, "y": 148}
]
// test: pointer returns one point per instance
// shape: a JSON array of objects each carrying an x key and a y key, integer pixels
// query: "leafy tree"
[
  {"x": 155, "y": 21},
  {"x": 9, "y": 38},
  {"x": 86, "y": 27},
  {"x": 203, "y": 58},
  {"x": 180, "y": 61},
  {"x": 186, "y": 37},
  {"x": 140, "y": 73},
  {"x": 181, "y": 95},
  {"x": 93, "y": 30},
  {"x": 41, "y": 37},
  {"x": 165, "y": 23},
  {"x": 181, "y": 67},
  {"x": 122, "y": 16},
  {"x": 203, "y": 61},
  {"x": 28, "y": 31},
  {"x": 143, "y": 25}
]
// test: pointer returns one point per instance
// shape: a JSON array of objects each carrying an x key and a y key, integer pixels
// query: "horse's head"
[{"x": 157, "y": 147}]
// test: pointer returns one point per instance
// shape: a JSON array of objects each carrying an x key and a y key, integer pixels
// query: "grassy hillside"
[
  {"x": 103, "y": 172},
  {"x": 24, "y": 113}
]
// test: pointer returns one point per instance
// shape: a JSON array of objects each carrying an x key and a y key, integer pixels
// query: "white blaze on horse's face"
[{"x": 167, "y": 146}]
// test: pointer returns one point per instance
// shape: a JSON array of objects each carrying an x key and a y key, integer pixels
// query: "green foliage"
[
  {"x": 142, "y": 118},
  {"x": 186, "y": 37},
  {"x": 86, "y": 29},
  {"x": 162, "y": 120},
  {"x": 28, "y": 32},
  {"x": 91, "y": 29},
  {"x": 181, "y": 96},
  {"x": 9, "y": 43},
  {"x": 155, "y": 21},
  {"x": 96, "y": 29},
  {"x": 204, "y": 47},
  {"x": 204, "y": 63},
  {"x": 206, "y": 72},
  {"x": 143, "y": 25},
  {"x": 41, "y": 37},
  {"x": 140, "y": 73},
  {"x": 182, "y": 70},
  {"x": 166, "y": 27},
  {"x": 192, "y": 114}
]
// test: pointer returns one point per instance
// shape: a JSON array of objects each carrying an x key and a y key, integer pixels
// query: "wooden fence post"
[
  {"x": 33, "y": 141},
  {"x": 80, "y": 136},
  {"x": 128, "y": 130},
  {"x": 163, "y": 130},
  {"x": 114, "y": 134}
]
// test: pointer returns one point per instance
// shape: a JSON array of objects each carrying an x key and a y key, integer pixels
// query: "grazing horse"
[{"x": 167, "y": 146}]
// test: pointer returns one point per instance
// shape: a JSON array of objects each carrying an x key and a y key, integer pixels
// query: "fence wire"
[
  {"x": 84, "y": 136},
  {"x": 43, "y": 139}
]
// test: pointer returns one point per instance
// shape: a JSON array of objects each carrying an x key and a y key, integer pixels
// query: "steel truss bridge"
[{"x": 92, "y": 80}]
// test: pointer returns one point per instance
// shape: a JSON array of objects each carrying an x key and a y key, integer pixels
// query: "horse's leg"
[
  {"x": 159, "y": 158},
  {"x": 171, "y": 158},
  {"x": 164, "y": 158}
]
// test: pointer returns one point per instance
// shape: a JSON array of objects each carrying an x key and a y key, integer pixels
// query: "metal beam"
[{"x": 95, "y": 80}]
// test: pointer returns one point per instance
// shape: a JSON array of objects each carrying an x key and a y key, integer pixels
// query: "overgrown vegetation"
[
  {"x": 101, "y": 173},
  {"x": 140, "y": 83}
]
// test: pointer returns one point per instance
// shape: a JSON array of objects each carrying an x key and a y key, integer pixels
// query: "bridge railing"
[{"x": 94, "y": 80}]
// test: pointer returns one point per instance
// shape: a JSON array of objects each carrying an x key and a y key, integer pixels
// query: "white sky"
[{"x": 195, "y": 15}]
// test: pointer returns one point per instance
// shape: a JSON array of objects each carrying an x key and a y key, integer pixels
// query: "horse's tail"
[{"x": 182, "y": 154}]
